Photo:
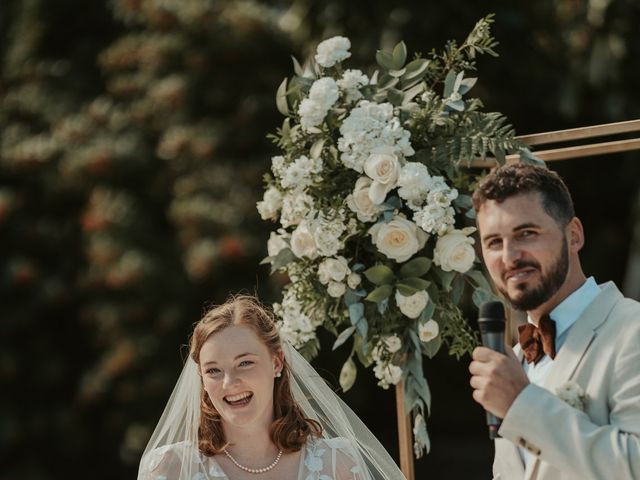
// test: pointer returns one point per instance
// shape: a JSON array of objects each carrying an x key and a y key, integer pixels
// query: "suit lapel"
[{"x": 581, "y": 336}]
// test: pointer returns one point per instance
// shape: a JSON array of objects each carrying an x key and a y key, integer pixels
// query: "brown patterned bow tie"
[{"x": 538, "y": 341}]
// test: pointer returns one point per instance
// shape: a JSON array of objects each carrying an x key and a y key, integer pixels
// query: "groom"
[{"x": 569, "y": 394}]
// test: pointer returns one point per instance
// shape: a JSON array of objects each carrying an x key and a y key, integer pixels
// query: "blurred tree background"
[{"x": 132, "y": 147}]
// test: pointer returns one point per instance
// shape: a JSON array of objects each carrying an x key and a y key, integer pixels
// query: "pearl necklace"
[{"x": 254, "y": 470}]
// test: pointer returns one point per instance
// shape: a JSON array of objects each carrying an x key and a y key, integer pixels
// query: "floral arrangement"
[
  {"x": 572, "y": 394},
  {"x": 371, "y": 196}
]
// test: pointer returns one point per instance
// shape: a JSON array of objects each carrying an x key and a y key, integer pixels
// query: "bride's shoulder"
[
  {"x": 170, "y": 457},
  {"x": 334, "y": 443},
  {"x": 324, "y": 454}
]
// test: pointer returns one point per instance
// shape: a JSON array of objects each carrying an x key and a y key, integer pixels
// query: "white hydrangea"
[
  {"x": 388, "y": 374},
  {"x": 414, "y": 184},
  {"x": 271, "y": 204},
  {"x": 295, "y": 207},
  {"x": 368, "y": 127},
  {"x": 435, "y": 219},
  {"x": 351, "y": 83},
  {"x": 278, "y": 165},
  {"x": 295, "y": 325},
  {"x": 328, "y": 233},
  {"x": 332, "y": 51},
  {"x": 323, "y": 94},
  {"x": 302, "y": 172},
  {"x": 336, "y": 289}
]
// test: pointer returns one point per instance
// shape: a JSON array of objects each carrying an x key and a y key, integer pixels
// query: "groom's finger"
[{"x": 484, "y": 354}]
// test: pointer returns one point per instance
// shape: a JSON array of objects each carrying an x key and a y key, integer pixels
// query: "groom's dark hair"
[{"x": 509, "y": 180}]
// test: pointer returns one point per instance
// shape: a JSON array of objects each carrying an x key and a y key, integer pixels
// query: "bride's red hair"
[{"x": 290, "y": 428}]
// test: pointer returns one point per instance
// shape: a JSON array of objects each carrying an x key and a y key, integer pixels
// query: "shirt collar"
[{"x": 570, "y": 309}]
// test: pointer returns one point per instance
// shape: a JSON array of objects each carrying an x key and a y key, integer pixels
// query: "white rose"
[
  {"x": 332, "y": 51},
  {"x": 428, "y": 331},
  {"x": 454, "y": 251},
  {"x": 336, "y": 289},
  {"x": 393, "y": 343},
  {"x": 388, "y": 374},
  {"x": 360, "y": 202},
  {"x": 270, "y": 204},
  {"x": 399, "y": 239},
  {"x": 413, "y": 305},
  {"x": 383, "y": 167},
  {"x": 302, "y": 242},
  {"x": 276, "y": 243},
  {"x": 353, "y": 280},
  {"x": 335, "y": 269}
]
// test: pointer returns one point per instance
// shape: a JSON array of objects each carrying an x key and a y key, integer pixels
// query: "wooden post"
[{"x": 404, "y": 435}]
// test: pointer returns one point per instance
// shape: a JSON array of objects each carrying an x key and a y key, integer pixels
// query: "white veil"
[{"x": 172, "y": 452}]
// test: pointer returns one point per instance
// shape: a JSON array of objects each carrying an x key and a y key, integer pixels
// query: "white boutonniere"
[{"x": 573, "y": 394}]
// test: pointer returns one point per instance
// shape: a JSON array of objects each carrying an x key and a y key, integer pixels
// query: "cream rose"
[
  {"x": 336, "y": 289},
  {"x": 353, "y": 280},
  {"x": 454, "y": 251},
  {"x": 383, "y": 167},
  {"x": 302, "y": 242},
  {"x": 335, "y": 269},
  {"x": 360, "y": 203},
  {"x": 270, "y": 204},
  {"x": 399, "y": 239},
  {"x": 428, "y": 331},
  {"x": 412, "y": 305},
  {"x": 393, "y": 343}
]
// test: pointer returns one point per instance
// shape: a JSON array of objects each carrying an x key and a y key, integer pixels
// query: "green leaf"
[
  {"x": 316, "y": 149},
  {"x": 284, "y": 257},
  {"x": 363, "y": 327},
  {"x": 297, "y": 68},
  {"x": 449, "y": 83},
  {"x": 431, "y": 347},
  {"x": 428, "y": 311},
  {"x": 479, "y": 278},
  {"x": 387, "y": 81},
  {"x": 343, "y": 337},
  {"x": 399, "y": 55},
  {"x": 380, "y": 275},
  {"x": 412, "y": 92},
  {"x": 281, "y": 99},
  {"x": 380, "y": 293},
  {"x": 445, "y": 278},
  {"x": 356, "y": 312},
  {"x": 397, "y": 73},
  {"x": 466, "y": 85},
  {"x": 457, "y": 289},
  {"x": 406, "y": 290},
  {"x": 481, "y": 295},
  {"x": 414, "y": 282},
  {"x": 395, "y": 97},
  {"x": 385, "y": 60},
  {"x": 415, "y": 69},
  {"x": 348, "y": 374},
  {"x": 457, "y": 105},
  {"x": 416, "y": 267}
]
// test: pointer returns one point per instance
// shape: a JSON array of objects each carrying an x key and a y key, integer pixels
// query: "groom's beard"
[{"x": 549, "y": 283}]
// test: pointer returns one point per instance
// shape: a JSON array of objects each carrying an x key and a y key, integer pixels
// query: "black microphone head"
[{"x": 491, "y": 317}]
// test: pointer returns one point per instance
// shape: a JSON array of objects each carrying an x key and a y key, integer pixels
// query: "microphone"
[{"x": 491, "y": 321}]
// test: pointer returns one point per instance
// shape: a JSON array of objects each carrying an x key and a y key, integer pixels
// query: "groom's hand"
[{"x": 496, "y": 379}]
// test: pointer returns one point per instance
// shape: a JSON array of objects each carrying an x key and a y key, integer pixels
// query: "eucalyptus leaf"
[
  {"x": 463, "y": 201},
  {"x": 445, "y": 278},
  {"x": 348, "y": 374},
  {"x": 432, "y": 347},
  {"x": 449, "y": 81},
  {"x": 343, "y": 337},
  {"x": 297, "y": 68},
  {"x": 363, "y": 327},
  {"x": 416, "y": 267},
  {"x": 415, "y": 69},
  {"x": 466, "y": 85},
  {"x": 397, "y": 73},
  {"x": 356, "y": 312},
  {"x": 379, "y": 294},
  {"x": 387, "y": 81},
  {"x": 357, "y": 267},
  {"x": 428, "y": 312},
  {"x": 379, "y": 275},
  {"x": 479, "y": 278},
  {"x": 399, "y": 55},
  {"x": 457, "y": 105},
  {"x": 385, "y": 60},
  {"x": 284, "y": 257},
  {"x": 412, "y": 92},
  {"x": 382, "y": 306},
  {"x": 281, "y": 99}
]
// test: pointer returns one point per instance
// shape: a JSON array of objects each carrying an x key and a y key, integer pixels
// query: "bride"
[{"x": 248, "y": 406}]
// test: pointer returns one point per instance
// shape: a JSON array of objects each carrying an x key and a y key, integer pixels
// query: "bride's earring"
[{"x": 278, "y": 374}]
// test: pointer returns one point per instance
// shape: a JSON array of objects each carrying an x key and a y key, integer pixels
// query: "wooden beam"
[
  {"x": 580, "y": 133},
  {"x": 565, "y": 153},
  {"x": 404, "y": 435}
]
